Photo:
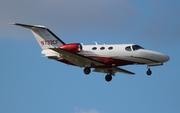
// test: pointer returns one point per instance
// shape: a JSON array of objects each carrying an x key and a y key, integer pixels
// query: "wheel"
[
  {"x": 87, "y": 70},
  {"x": 149, "y": 72},
  {"x": 108, "y": 77}
]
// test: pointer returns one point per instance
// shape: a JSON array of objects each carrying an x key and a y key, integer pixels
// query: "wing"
[
  {"x": 82, "y": 61},
  {"x": 122, "y": 71},
  {"x": 77, "y": 59},
  {"x": 114, "y": 70}
]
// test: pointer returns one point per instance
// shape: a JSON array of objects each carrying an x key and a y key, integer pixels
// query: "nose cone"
[
  {"x": 165, "y": 58},
  {"x": 160, "y": 57}
]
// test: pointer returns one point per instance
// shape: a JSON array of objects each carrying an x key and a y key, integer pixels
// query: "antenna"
[{"x": 95, "y": 42}]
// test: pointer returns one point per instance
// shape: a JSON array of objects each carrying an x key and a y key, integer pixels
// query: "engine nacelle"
[{"x": 73, "y": 47}]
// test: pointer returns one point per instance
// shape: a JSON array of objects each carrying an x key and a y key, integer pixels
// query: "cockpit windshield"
[{"x": 137, "y": 47}]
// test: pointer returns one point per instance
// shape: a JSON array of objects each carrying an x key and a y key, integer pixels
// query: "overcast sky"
[
  {"x": 154, "y": 20},
  {"x": 30, "y": 83}
]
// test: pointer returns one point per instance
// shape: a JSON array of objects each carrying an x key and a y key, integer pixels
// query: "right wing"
[
  {"x": 122, "y": 71},
  {"x": 114, "y": 70}
]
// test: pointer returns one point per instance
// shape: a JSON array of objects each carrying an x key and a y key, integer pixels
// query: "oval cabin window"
[
  {"x": 110, "y": 48},
  {"x": 102, "y": 48},
  {"x": 94, "y": 48}
]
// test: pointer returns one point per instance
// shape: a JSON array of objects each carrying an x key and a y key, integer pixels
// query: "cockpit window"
[
  {"x": 128, "y": 48},
  {"x": 136, "y": 47}
]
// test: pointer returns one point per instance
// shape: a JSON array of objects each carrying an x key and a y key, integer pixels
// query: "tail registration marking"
[{"x": 49, "y": 42}]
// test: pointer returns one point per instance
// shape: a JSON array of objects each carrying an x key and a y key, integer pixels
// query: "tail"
[{"x": 44, "y": 36}]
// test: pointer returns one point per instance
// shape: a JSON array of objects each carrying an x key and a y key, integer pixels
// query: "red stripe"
[{"x": 109, "y": 61}]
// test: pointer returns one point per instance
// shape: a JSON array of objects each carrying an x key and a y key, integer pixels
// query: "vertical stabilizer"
[{"x": 44, "y": 36}]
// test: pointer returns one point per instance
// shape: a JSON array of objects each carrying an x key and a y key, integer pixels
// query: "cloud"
[
  {"x": 100, "y": 16},
  {"x": 152, "y": 20},
  {"x": 80, "y": 110}
]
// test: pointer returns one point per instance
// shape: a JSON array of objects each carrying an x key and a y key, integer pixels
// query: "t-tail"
[{"x": 44, "y": 36}]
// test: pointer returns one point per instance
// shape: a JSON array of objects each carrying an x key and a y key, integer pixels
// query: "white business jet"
[{"x": 102, "y": 58}]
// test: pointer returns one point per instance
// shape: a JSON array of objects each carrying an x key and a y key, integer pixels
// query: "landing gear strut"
[
  {"x": 149, "y": 72},
  {"x": 87, "y": 70}
]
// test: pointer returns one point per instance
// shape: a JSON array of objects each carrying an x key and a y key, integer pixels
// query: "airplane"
[{"x": 104, "y": 58}]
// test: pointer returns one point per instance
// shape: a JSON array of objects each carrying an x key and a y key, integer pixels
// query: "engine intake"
[{"x": 73, "y": 47}]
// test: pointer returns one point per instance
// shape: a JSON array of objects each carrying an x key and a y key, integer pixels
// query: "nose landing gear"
[{"x": 149, "y": 72}]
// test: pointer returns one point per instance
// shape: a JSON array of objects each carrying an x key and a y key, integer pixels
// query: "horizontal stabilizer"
[{"x": 29, "y": 26}]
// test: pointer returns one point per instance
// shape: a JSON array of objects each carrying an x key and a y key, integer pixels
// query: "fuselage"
[{"x": 118, "y": 54}]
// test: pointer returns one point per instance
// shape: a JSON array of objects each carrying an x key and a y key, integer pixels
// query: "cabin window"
[
  {"x": 110, "y": 48},
  {"x": 128, "y": 48},
  {"x": 102, "y": 48},
  {"x": 94, "y": 48}
]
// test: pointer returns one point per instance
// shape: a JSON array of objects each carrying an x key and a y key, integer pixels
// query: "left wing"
[
  {"x": 77, "y": 59},
  {"x": 82, "y": 61}
]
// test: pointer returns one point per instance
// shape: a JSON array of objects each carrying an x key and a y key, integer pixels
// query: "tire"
[
  {"x": 108, "y": 78},
  {"x": 149, "y": 72},
  {"x": 87, "y": 70}
]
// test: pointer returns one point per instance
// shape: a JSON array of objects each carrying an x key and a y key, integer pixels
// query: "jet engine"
[{"x": 73, "y": 47}]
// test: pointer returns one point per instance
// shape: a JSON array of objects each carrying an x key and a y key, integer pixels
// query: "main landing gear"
[
  {"x": 108, "y": 77},
  {"x": 87, "y": 70}
]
